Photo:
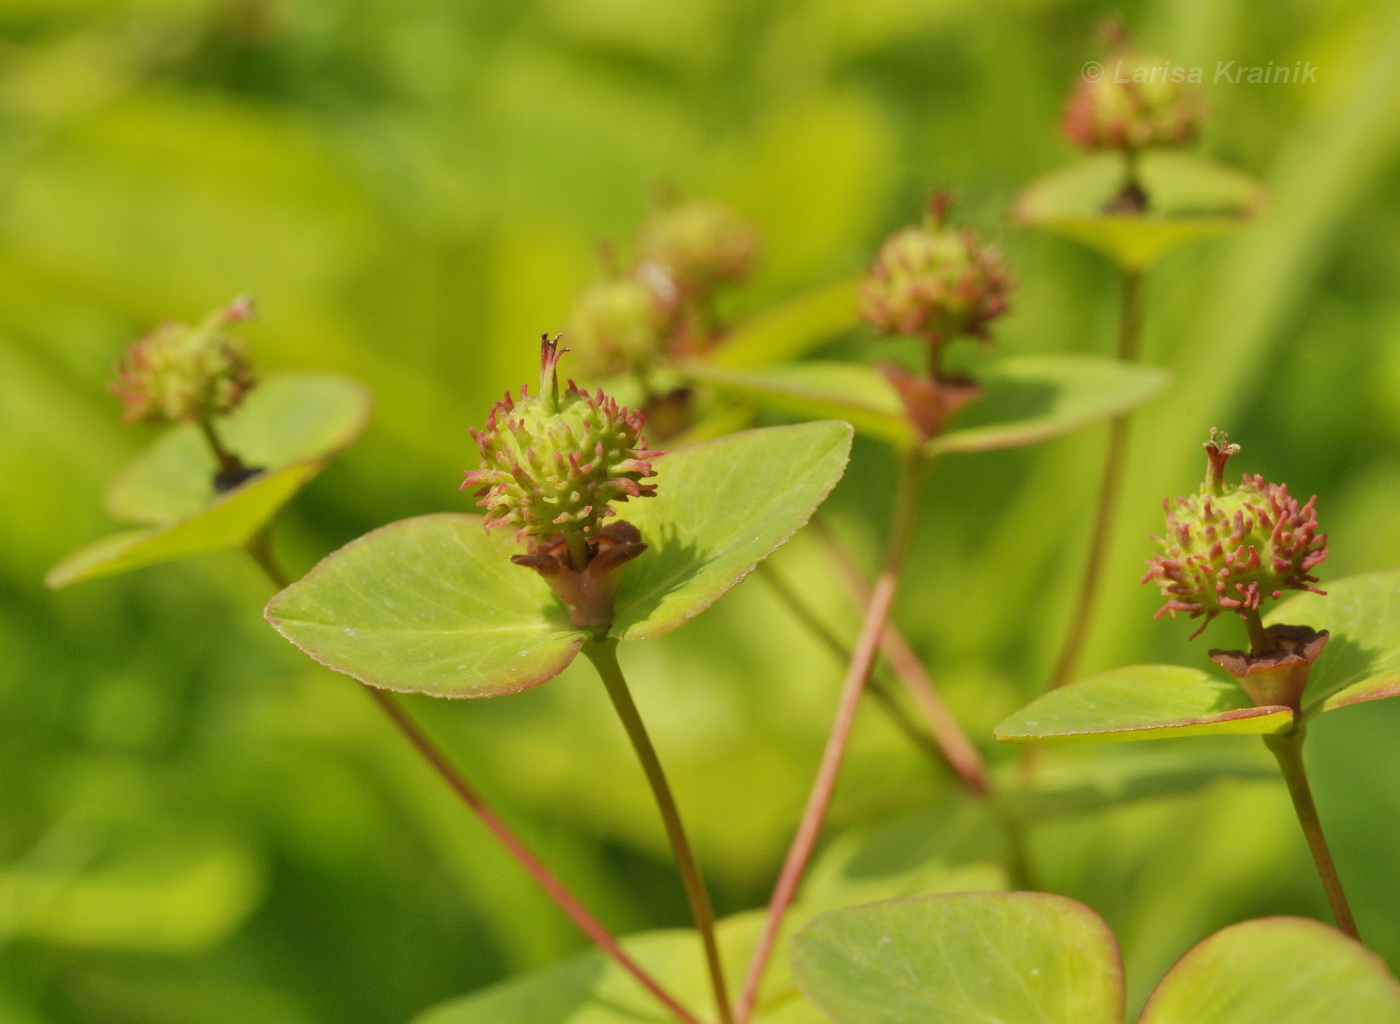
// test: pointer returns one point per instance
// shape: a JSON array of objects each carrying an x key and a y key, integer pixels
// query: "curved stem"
[
  {"x": 603, "y": 654},
  {"x": 231, "y": 468},
  {"x": 877, "y": 614},
  {"x": 555, "y": 889},
  {"x": 1288, "y": 750},
  {"x": 259, "y": 546},
  {"x": 1129, "y": 346}
]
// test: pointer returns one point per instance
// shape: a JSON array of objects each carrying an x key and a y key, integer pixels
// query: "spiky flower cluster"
[
  {"x": 935, "y": 282},
  {"x": 698, "y": 246},
  {"x": 178, "y": 373},
  {"x": 1136, "y": 103},
  {"x": 555, "y": 463},
  {"x": 618, "y": 325},
  {"x": 1227, "y": 548}
]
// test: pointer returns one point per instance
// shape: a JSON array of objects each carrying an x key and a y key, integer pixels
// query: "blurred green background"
[{"x": 196, "y": 823}]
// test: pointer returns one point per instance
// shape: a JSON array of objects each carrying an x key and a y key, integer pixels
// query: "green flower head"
[
  {"x": 556, "y": 463},
  {"x": 178, "y": 373},
  {"x": 1227, "y": 548}
]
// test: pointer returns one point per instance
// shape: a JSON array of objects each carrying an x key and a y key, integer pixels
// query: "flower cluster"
[
  {"x": 181, "y": 373},
  {"x": 619, "y": 325},
  {"x": 556, "y": 462},
  {"x": 1134, "y": 105},
  {"x": 935, "y": 282},
  {"x": 698, "y": 246},
  {"x": 1227, "y": 548}
]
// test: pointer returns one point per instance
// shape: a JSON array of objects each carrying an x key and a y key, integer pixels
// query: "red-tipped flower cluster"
[
  {"x": 1229, "y": 548},
  {"x": 181, "y": 373},
  {"x": 935, "y": 282},
  {"x": 556, "y": 462},
  {"x": 1136, "y": 103},
  {"x": 697, "y": 246}
]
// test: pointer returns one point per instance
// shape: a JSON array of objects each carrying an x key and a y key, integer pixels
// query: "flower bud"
[
  {"x": 556, "y": 462},
  {"x": 179, "y": 373},
  {"x": 1136, "y": 103},
  {"x": 617, "y": 326},
  {"x": 935, "y": 282},
  {"x": 698, "y": 246},
  {"x": 1228, "y": 548}
]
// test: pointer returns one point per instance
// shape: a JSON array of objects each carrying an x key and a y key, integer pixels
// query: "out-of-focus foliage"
[{"x": 199, "y": 824}]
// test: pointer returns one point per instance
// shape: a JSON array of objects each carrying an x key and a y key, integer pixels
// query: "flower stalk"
[
  {"x": 602, "y": 652},
  {"x": 913, "y": 472},
  {"x": 1287, "y": 749}
]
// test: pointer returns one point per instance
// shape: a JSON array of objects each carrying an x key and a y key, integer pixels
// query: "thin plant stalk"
[
  {"x": 230, "y": 466},
  {"x": 258, "y": 548},
  {"x": 960, "y": 751},
  {"x": 1287, "y": 748},
  {"x": 879, "y": 688},
  {"x": 913, "y": 471},
  {"x": 603, "y": 654},
  {"x": 1081, "y": 615}
]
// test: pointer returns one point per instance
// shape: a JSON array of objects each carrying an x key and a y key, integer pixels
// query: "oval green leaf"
[
  {"x": 231, "y": 520},
  {"x": 1030, "y": 399},
  {"x": 1031, "y": 958},
  {"x": 434, "y": 605},
  {"x": 1282, "y": 970},
  {"x": 1190, "y": 199},
  {"x": 792, "y": 328},
  {"x": 1361, "y": 662},
  {"x": 860, "y": 395},
  {"x": 1141, "y": 702},
  {"x": 430, "y": 605},
  {"x": 289, "y": 417},
  {"x": 721, "y": 507}
]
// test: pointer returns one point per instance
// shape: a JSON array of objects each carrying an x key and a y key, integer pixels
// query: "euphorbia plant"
[
  {"x": 1228, "y": 550},
  {"x": 450, "y": 605}
]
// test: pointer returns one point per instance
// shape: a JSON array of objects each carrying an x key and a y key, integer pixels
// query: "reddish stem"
[{"x": 867, "y": 648}]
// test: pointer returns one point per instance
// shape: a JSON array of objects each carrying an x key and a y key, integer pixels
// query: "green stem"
[
  {"x": 603, "y": 653},
  {"x": 553, "y": 887},
  {"x": 259, "y": 546},
  {"x": 1288, "y": 750},
  {"x": 913, "y": 470},
  {"x": 1259, "y": 640},
  {"x": 1129, "y": 345}
]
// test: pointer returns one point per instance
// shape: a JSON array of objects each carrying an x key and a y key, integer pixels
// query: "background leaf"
[
  {"x": 1281, "y": 970},
  {"x": 955, "y": 959},
  {"x": 1031, "y": 399},
  {"x": 720, "y": 508},
  {"x": 289, "y": 417},
  {"x": 231, "y": 520},
  {"x": 1190, "y": 199},
  {"x": 1141, "y": 702},
  {"x": 430, "y": 605},
  {"x": 792, "y": 328},
  {"x": 1361, "y": 661}
]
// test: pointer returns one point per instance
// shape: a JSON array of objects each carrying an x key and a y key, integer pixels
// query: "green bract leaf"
[
  {"x": 231, "y": 520},
  {"x": 792, "y": 328},
  {"x": 1141, "y": 702},
  {"x": 430, "y": 605},
  {"x": 290, "y": 417},
  {"x": 1189, "y": 199},
  {"x": 1031, "y": 399},
  {"x": 1362, "y": 660},
  {"x": 860, "y": 395},
  {"x": 591, "y": 989},
  {"x": 721, "y": 507},
  {"x": 434, "y": 605},
  {"x": 1281, "y": 970},
  {"x": 963, "y": 958},
  {"x": 290, "y": 427},
  {"x": 1028, "y": 398}
]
